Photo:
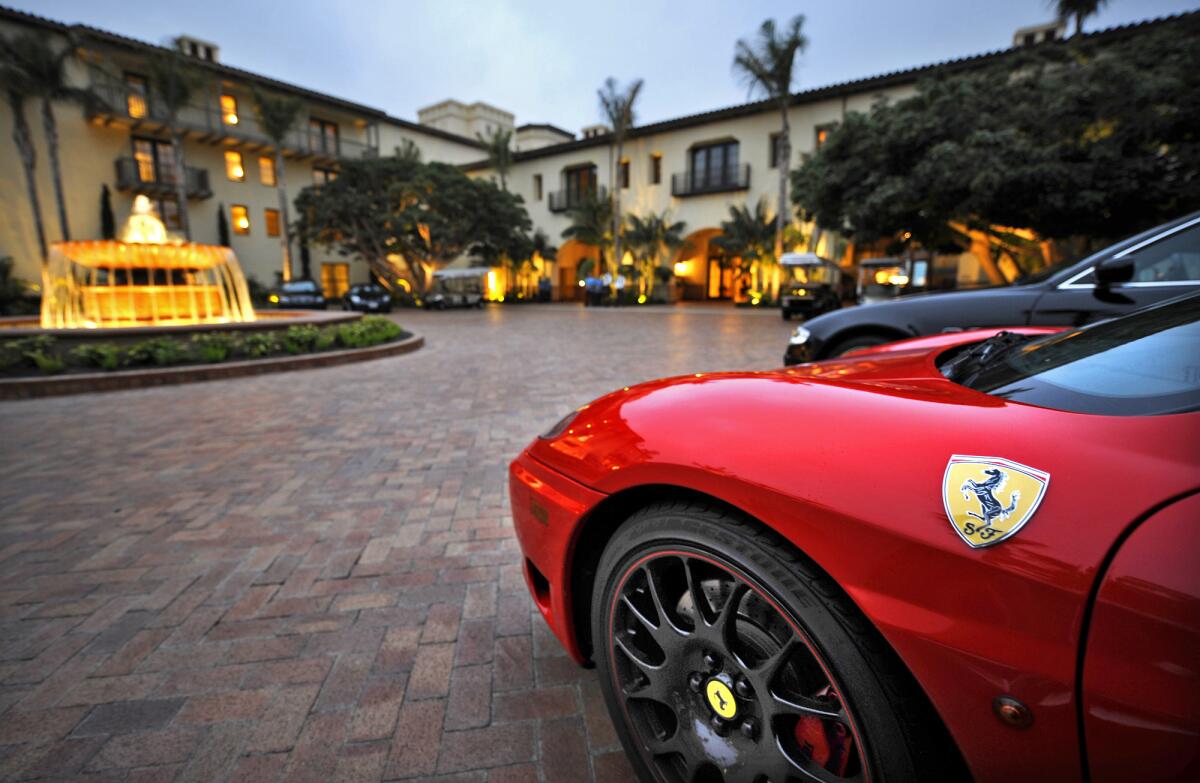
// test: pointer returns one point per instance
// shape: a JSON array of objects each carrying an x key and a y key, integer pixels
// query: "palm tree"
[
  {"x": 174, "y": 82},
  {"x": 648, "y": 238},
  {"x": 767, "y": 67},
  {"x": 617, "y": 107},
  {"x": 42, "y": 73},
  {"x": 749, "y": 236},
  {"x": 277, "y": 114},
  {"x": 591, "y": 224},
  {"x": 1079, "y": 10},
  {"x": 499, "y": 153},
  {"x": 23, "y": 139}
]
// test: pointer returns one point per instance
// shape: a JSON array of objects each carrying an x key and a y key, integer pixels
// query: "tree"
[
  {"x": 1079, "y": 10},
  {"x": 108, "y": 221},
  {"x": 174, "y": 81},
  {"x": 222, "y": 227},
  {"x": 1094, "y": 141},
  {"x": 616, "y": 105},
  {"x": 277, "y": 114},
  {"x": 17, "y": 90},
  {"x": 751, "y": 237},
  {"x": 40, "y": 69},
  {"x": 649, "y": 238},
  {"x": 767, "y": 66},
  {"x": 592, "y": 224},
  {"x": 499, "y": 150}
]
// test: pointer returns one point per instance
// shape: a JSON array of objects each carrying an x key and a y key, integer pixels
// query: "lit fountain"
[{"x": 148, "y": 278}]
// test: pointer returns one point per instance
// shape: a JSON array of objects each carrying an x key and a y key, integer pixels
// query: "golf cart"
[
  {"x": 811, "y": 285},
  {"x": 884, "y": 279},
  {"x": 456, "y": 288}
]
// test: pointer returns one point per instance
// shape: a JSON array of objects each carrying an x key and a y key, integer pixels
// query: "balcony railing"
[
  {"x": 720, "y": 180},
  {"x": 207, "y": 123},
  {"x": 158, "y": 181},
  {"x": 562, "y": 200}
]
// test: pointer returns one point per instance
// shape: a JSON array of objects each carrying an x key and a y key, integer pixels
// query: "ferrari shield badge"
[{"x": 989, "y": 499}]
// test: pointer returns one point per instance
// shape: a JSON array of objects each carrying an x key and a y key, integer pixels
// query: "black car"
[
  {"x": 367, "y": 298},
  {"x": 299, "y": 295},
  {"x": 1145, "y": 269}
]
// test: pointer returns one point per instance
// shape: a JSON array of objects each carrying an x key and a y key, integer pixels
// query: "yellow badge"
[
  {"x": 988, "y": 499},
  {"x": 720, "y": 698}
]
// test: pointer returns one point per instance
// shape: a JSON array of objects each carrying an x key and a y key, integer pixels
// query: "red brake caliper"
[{"x": 828, "y": 743}]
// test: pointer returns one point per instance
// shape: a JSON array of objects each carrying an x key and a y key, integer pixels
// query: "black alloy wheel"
[{"x": 711, "y": 674}]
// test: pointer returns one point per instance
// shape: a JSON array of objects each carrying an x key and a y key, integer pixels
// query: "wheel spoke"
[
  {"x": 805, "y": 706},
  {"x": 635, "y": 655},
  {"x": 646, "y": 621},
  {"x": 726, "y": 620}
]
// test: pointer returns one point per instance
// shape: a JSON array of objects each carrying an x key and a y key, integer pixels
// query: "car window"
[
  {"x": 300, "y": 287},
  {"x": 1142, "y": 364},
  {"x": 1173, "y": 260}
]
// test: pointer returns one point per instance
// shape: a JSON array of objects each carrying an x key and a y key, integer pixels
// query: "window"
[
  {"x": 136, "y": 90},
  {"x": 537, "y": 187},
  {"x": 580, "y": 183},
  {"x": 335, "y": 279},
  {"x": 322, "y": 176},
  {"x": 655, "y": 169},
  {"x": 155, "y": 160},
  {"x": 266, "y": 170},
  {"x": 271, "y": 221},
  {"x": 168, "y": 211},
  {"x": 240, "y": 217},
  {"x": 822, "y": 133},
  {"x": 623, "y": 174},
  {"x": 229, "y": 112},
  {"x": 233, "y": 166},
  {"x": 775, "y": 153},
  {"x": 1175, "y": 259},
  {"x": 322, "y": 136},
  {"x": 714, "y": 165}
]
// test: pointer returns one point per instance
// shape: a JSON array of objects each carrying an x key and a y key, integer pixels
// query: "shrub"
[
  {"x": 160, "y": 351},
  {"x": 36, "y": 352},
  {"x": 260, "y": 344},
  {"x": 213, "y": 347},
  {"x": 371, "y": 330},
  {"x": 301, "y": 338},
  {"x": 326, "y": 338},
  {"x": 106, "y": 356}
]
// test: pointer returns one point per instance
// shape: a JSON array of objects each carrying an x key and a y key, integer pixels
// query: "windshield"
[
  {"x": 367, "y": 290},
  {"x": 300, "y": 287},
  {"x": 1143, "y": 364},
  {"x": 810, "y": 274}
]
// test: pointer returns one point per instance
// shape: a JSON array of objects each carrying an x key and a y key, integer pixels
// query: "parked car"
[
  {"x": 299, "y": 295},
  {"x": 456, "y": 288},
  {"x": 975, "y": 560},
  {"x": 1142, "y": 270},
  {"x": 367, "y": 298},
  {"x": 811, "y": 285}
]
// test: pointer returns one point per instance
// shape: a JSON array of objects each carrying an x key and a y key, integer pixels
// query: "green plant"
[
  {"x": 160, "y": 351},
  {"x": 213, "y": 347},
  {"x": 371, "y": 330},
  {"x": 51, "y": 364},
  {"x": 327, "y": 338},
  {"x": 260, "y": 344},
  {"x": 106, "y": 356},
  {"x": 300, "y": 338}
]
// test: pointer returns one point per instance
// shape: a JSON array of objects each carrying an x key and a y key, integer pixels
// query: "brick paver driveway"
[{"x": 311, "y": 576}]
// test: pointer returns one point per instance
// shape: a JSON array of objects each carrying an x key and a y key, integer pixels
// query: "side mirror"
[{"x": 1113, "y": 271}]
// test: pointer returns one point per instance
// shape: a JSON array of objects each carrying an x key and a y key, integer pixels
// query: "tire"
[
  {"x": 861, "y": 341},
  {"x": 876, "y": 719}
]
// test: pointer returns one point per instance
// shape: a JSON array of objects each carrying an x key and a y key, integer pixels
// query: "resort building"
[{"x": 696, "y": 167}]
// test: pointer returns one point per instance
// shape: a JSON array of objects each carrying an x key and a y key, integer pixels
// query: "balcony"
[
  {"x": 158, "y": 183},
  {"x": 563, "y": 200},
  {"x": 206, "y": 124},
  {"x": 721, "y": 180}
]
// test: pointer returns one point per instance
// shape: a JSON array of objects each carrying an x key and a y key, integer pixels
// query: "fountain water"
[{"x": 147, "y": 278}]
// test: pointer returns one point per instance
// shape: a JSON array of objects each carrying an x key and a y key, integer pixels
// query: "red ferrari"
[{"x": 973, "y": 556}]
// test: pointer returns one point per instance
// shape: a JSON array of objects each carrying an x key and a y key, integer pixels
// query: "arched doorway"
[
  {"x": 570, "y": 255},
  {"x": 704, "y": 272}
]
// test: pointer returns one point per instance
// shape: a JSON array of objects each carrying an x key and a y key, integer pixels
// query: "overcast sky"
[{"x": 544, "y": 60}]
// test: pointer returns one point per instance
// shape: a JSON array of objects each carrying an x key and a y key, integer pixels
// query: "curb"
[{"x": 57, "y": 385}]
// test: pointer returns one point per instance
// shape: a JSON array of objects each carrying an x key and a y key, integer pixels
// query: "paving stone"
[{"x": 316, "y": 570}]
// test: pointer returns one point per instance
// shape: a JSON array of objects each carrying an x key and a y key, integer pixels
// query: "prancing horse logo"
[
  {"x": 986, "y": 491},
  {"x": 973, "y": 492}
]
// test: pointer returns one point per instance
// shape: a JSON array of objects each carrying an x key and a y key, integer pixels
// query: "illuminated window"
[
  {"x": 168, "y": 212},
  {"x": 229, "y": 112},
  {"x": 233, "y": 166},
  {"x": 271, "y": 220},
  {"x": 655, "y": 169},
  {"x": 155, "y": 160},
  {"x": 136, "y": 90},
  {"x": 623, "y": 174},
  {"x": 823, "y": 132},
  {"x": 266, "y": 170},
  {"x": 240, "y": 217},
  {"x": 323, "y": 136},
  {"x": 335, "y": 279},
  {"x": 323, "y": 176},
  {"x": 537, "y": 187}
]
